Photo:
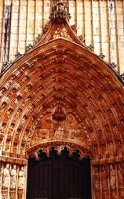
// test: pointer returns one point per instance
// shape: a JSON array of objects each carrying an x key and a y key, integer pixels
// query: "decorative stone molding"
[{"x": 59, "y": 145}]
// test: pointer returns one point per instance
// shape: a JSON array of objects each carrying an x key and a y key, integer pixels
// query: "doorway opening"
[{"x": 58, "y": 176}]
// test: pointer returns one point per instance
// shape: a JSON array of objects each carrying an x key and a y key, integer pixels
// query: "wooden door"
[{"x": 58, "y": 176}]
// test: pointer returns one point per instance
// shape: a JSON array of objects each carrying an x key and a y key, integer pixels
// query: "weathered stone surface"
[{"x": 61, "y": 73}]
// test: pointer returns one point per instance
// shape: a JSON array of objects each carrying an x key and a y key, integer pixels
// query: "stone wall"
[{"x": 101, "y": 24}]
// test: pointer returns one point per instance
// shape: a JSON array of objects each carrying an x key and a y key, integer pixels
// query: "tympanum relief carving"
[{"x": 67, "y": 129}]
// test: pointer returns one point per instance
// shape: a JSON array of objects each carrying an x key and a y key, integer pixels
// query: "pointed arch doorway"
[{"x": 58, "y": 176}]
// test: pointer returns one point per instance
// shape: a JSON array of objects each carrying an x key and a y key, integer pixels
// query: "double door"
[{"x": 58, "y": 177}]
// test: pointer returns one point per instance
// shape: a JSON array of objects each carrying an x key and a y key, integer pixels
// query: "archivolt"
[{"x": 61, "y": 73}]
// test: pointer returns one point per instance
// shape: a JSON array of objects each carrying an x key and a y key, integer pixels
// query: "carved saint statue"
[
  {"x": 96, "y": 179},
  {"x": 6, "y": 176},
  {"x": 120, "y": 176},
  {"x": 104, "y": 174},
  {"x": 21, "y": 178},
  {"x": 59, "y": 133},
  {"x": 112, "y": 177},
  {"x": 13, "y": 177}
]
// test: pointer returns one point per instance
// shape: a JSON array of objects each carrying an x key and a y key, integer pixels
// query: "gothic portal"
[{"x": 60, "y": 95}]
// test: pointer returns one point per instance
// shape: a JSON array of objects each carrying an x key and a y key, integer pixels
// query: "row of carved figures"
[
  {"x": 12, "y": 176},
  {"x": 108, "y": 181}
]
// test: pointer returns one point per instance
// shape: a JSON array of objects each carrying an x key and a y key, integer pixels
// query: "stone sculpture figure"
[
  {"x": 96, "y": 179},
  {"x": 120, "y": 176},
  {"x": 112, "y": 177},
  {"x": 59, "y": 133},
  {"x": 21, "y": 178},
  {"x": 6, "y": 176},
  {"x": 13, "y": 174},
  {"x": 104, "y": 174}
]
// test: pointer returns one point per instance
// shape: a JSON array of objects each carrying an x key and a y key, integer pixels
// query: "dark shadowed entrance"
[{"x": 59, "y": 176}]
